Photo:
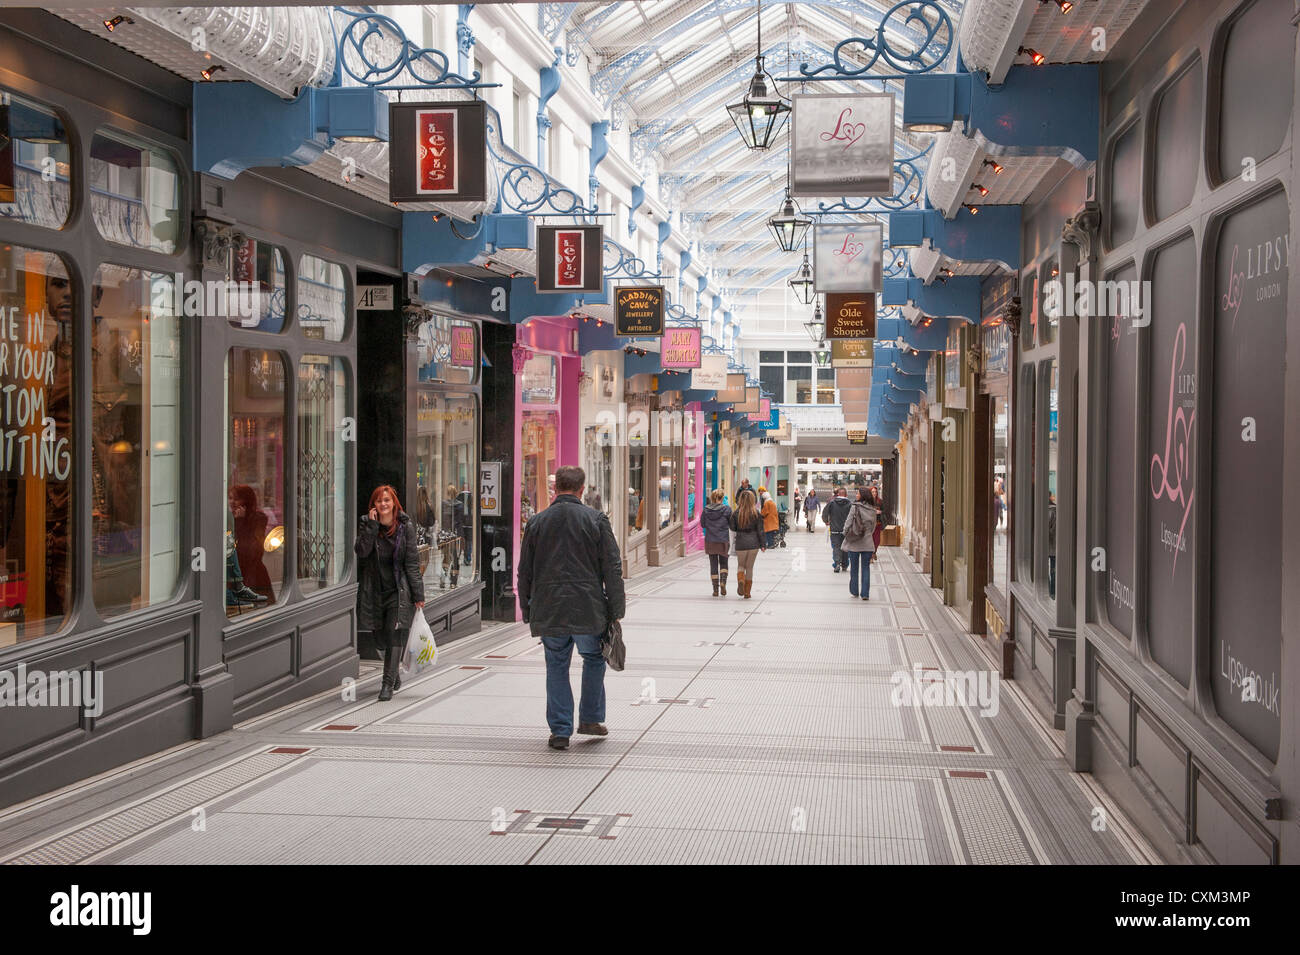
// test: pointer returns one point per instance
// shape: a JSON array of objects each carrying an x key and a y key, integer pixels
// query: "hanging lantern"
[
  {"x": 823, "y": 357},
  {"x": 762, "y": 112},
  {"x": 788, "y": 226},
  {"x": 802, "y": 283}
]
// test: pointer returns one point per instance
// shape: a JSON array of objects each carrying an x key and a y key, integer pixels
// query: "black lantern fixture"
[
  {"x": 762, "y": 112},
  {"x": 823, "y": 357},
  {"x": 788, "y": 226},
  {"x": 817, "y": 325},
  {"x": 802, "y": 283}
]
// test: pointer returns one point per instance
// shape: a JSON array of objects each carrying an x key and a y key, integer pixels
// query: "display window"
[
  {"x": 322, "y": 299},
  {"x": 1000, "y": 517},
  {"x": 540, "y": 440},
  {"x": 323, "y": 490},
  {"x": 36, "y": 455},
  {"x": 636, "y": 466},
  {"x": 135, "y": 193},
  {"x": 262, "y": 265},
  {"x": 669, "y": 492},
  {"x": 446, "y": 350},
  {"x": 692, "y": 503},
  {"x": 35, "y": 174},
  {"x": 599, "y": 458},
  {"x": 444, "y": 507}
]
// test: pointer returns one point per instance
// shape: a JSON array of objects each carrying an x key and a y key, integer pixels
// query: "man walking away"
[
  {"x": 833, "y": 515},
  {"x": 570, "y": 587}
]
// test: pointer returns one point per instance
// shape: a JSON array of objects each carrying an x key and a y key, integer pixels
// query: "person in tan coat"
[{"x": 771, "y": 519}]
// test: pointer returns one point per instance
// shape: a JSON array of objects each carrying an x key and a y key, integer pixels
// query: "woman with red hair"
[{"x": 390, "y": 589}]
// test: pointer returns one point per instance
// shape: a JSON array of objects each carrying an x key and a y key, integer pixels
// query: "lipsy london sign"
[
  {"x": 438, "y": 152},
  {"x": 842, "y": 145},
  {"x": 569, "y": 258},
  {"x": 847, "y": 258}
]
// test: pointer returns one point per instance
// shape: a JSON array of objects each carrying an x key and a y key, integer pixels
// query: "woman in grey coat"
[
  {"x": 858, "y": 545},
  {"x": 716, "y": 522}
]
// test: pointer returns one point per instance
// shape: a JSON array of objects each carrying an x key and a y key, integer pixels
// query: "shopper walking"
[
  {"x": 858, "y": 544},
  {"x": 390, "y": 589},
  {"x": 878, "y": 502},
  {"x": 834, "y": 514},
  {"x": 747, "y": 522},
  {"x": 771, "y": 517},
  {"x": 570, "y": 587},
  {"x": 798, "y": 502},
  {"x": 810, "y": 508},
  {"x": 716, "y": 521}
]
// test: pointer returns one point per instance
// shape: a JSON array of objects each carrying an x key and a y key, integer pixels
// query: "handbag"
[{"x": 612, "y": 647}]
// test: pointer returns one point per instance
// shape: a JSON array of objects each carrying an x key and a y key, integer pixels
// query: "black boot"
[
  {"x": 723, "y": 581},
  {"x": 715, "y": 585},
  {"x": 392, "y": 659}
]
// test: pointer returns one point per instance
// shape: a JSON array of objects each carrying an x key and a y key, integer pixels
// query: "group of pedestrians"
[{"x": 748, "y": 526}]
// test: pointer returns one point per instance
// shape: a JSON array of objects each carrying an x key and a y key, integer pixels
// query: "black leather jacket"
[
  {"x": 406, "y": 569},
  {"x": 570, "y": 571},
  {"x": 835, "y": 513}
]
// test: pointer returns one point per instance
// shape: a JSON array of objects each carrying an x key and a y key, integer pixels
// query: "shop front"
[
  {"x": 993, "y": 479},
  {"x": 952, "y": 482}
]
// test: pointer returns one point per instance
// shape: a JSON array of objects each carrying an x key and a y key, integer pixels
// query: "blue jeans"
[
  {"x": 857, "y": 558},
  {"x": 770, "y": 541},
  {"x": 559, "y": 693},
  {"x": 838, "y": 557}
]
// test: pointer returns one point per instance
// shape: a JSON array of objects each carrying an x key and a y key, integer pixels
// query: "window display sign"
[
  {"x": 850, "y": 316},
  {"x": 842, "y": 145},
  {"x": 437, "y": 151},
  {"x": 490, "y": 488},
  {"x": 569, "y": 258},
  {"x": 711, "y": 375},
  {"x": 764, "y": 410},
  {"x": 681, "y": 347},
  {"x": 751, "y": 403},
  {"x": 847, "y": 258},
  {"x": 735, "y": 391},
  {"x": 463, "y": 352},
  {"x": 851, "y": 353},
  {"x": 639, "y": 311}
]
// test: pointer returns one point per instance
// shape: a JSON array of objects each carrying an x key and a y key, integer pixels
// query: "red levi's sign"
[
  {"x": 437, "y": 172},
  {"x": 568, "y": 259}
]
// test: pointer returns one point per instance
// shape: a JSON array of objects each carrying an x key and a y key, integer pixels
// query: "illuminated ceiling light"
[
  {"x": 983, "y": 190},
  {"x": 948, "y": 272},
  {"x": 1065, "y": 5},
  {"x": 973, "y": 210},
  {"x": 760, "y": 114},
  {"x": 1032, "y": 54},
  {"x": 113, "y": 24},
  {"x": 207, "y": 72},
  {"x": 802, "y": 283},
  {"x": 788, "y": 226},
  {"x": 997, "y": 166}
]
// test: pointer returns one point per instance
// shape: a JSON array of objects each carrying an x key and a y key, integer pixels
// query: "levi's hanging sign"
[
  {"x": 437, "y": 152},
  {"x": 850, "y": 316},
  {"x": 842, "y": 145},
  {"x": 847, "y": 258},
  {"x": 639, "y": 313},
  {"x": 569, "y": 259},
  {"x": 680, "y": 347}
]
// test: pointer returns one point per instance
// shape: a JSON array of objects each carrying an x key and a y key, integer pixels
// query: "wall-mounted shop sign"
[
  {"x": 437, "y": 151},
  {"x": 751, "y": 403},
  {"x": 569, "y": 258},
  {"x": 489, "y": 496},
  {"x": 734, "y": 391},
  {"x": 851, "y": 315},
  {"x": 374, "y": 298},
  {"x": 639, "y": 312},
  {"x": 681, "y": 347},
  {"x": 852, "y": 353},
  {"x": 764, "y": 410},
  {"x": 463, "y": 352},
  {"x": 842, "y": 145},
  {"x": 857, "y": 437},
  {"x": 711, "y": 375},
  {"x": 847, "y": 258}
]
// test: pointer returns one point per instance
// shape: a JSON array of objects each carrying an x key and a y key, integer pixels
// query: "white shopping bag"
[{"x": 421, "y": 651}]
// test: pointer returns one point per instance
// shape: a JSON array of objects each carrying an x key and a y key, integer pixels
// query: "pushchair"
[{"x": 783, "y": 524}]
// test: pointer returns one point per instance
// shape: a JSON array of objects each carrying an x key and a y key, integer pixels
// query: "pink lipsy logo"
[
  {"x": 846, "y": 131},
  {"x": 1175, "y": 468},
  {"x": 850, "y": 250},
  {"x": 1231, "y": 299}
]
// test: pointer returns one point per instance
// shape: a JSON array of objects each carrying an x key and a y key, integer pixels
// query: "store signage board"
[
  {"x": 490, "y": 488},
  {"x": 734, "y": 391},
  {"x": 772, "y": 421},
  {"x": 751, "y": 403},
  {"x": 437, "y": 151},
  {"x": 639, "y": 313},
  {"x": 842, "y": 145},
  {"x": 857, "y": 436},
  {"x": 711, "y": 375},
  {"x": 681, "y": 347},
  {"x": 851, "y": 315},
  {"x": 852, "y": 353},
  {"x": 374, "y": 298},
  {"x": 569, "y": 258},
  {"x": 462, "y": 346},
  {"x": 848, "y": 258},
  {"x": 764, "y": 410}
]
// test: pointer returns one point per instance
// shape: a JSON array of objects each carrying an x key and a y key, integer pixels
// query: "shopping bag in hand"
[
  {"x": 611, "y": 646},
  {"x": 421, "y": 651}
]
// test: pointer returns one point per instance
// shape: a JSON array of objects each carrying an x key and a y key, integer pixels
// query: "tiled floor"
[{"x": 756, "y": 731}]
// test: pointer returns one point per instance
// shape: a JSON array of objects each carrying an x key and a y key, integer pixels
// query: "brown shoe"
[
  {"x": 558, "y": 742},
  {"x": 592, "y": 729}
]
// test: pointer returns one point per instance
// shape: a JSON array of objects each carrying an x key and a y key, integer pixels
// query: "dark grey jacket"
[
  {"x": 716, "y": 521},
  {"x": 406, "y": 570},
  {"x": 835, "y": 513},
  {"x": 748, "y": 538},
  {"x": 570, "y": 571}
]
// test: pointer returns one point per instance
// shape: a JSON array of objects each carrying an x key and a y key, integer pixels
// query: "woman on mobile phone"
[{"x": 390, "y": 589}]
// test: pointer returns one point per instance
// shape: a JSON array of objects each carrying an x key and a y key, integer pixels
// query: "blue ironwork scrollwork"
[
  {"x": 625, "y": 264},
  {"x": 526, "y": 189},
  {"x": 368, "y": 33},
  {"x": 933, "y": 42}
]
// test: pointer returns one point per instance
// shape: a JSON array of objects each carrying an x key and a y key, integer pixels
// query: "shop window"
[
  {"x": 636, "y": 474},
  {"x": 262, "y": 266},
  {"x": 826, "y": 386},
  {"x": 1170, "y": 467},
  {"x": 446, "y": 468},
  {"x": 771, "y": 379},
  {"x": 1120, "y": 351},
  {"x": 35, "y": 175},
  {"x": 36, "y": 372},
  {"x": 599, "y": 457},
  {"x": 799, "y": 387},
  {"x": 323, "y": 527},
  {"x": 538, "y": 383},
  {"x": 540, "y": 433},
  {"x": 771, "y": 357},
  {"x": 135, "y": 364},
  {"x": 1000, "y": 518},
  {"x": 1029, "y": 316},
  {"x": 1254, "y": 101},
  {"x": 446, "y": 350},
  {"x": 255, "y": 479},
  {"x": 1049, "y": 319},
  {"x": 135, "y": 193},
  {"x": 1177, "y": 141},
  {"x": 1249, "y": 438},
  {"x": 1046, "y": 496},
  {"x": 692, "y": 501},
  {"x": 669, "y": 492},
  {"x": 322, "y": 299},
  {"x": 1125, "y": 178},
  {"x": 1026, "y": 476}
]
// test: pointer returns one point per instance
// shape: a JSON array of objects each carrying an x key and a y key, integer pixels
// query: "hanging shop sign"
[
  {"x": 489, "y": 495},
  {"x": 773, "y": 419},
  {"x": 711, "y": 375},
  {"x": 751, "y": 403},
  {"x": 847, "y": 258},
  {"x": 842, "y": 145},
  {"x": 734, "y": 391},
  {"x": 463, "y": 352},
  {"x": 569, "y": 258},
  {"x": 851, "y": 315},
  {"x": 851, "y": 353},
  {"x": 857, "y": 436},
  {"x": 764, "y": 410},
  {"x": 639, "y": 313},
  {"x": 681, "y": 347},
  {"x": 437, "y": 151}
]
